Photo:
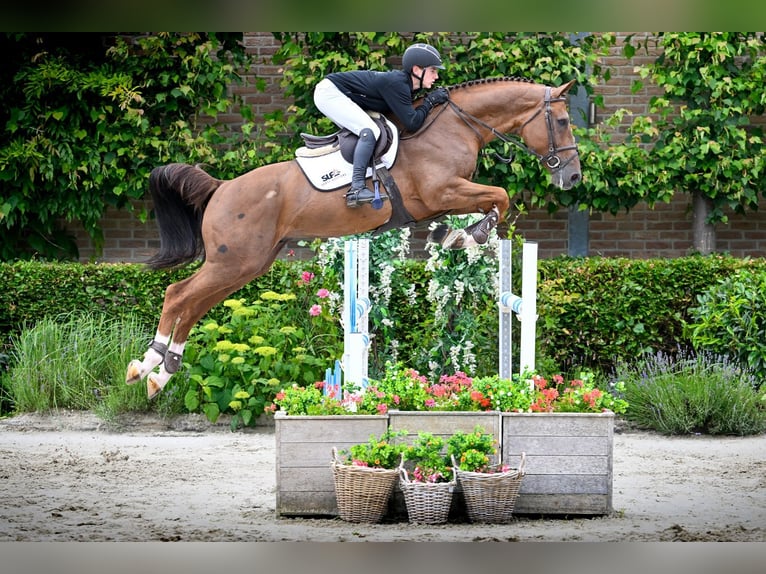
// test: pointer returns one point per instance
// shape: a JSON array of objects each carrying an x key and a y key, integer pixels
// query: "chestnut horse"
[{"x": 240, "y": 225}]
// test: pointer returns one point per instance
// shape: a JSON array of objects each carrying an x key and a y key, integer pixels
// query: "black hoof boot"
[{"x": 480, "y": 231}]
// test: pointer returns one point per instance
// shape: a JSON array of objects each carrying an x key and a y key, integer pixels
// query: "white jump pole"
[
  {"x": 524, "y": 307},
  {"x": 356, "y": 307}
]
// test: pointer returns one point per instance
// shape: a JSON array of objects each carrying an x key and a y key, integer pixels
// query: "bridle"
[{"x": 551, "y": 159}]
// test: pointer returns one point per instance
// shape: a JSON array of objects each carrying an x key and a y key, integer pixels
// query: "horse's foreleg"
[
  {"x": 464, "y": 196},
  {"x": 475, "y": 234}
]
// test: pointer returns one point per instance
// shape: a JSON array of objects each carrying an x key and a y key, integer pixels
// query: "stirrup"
[{"x": 353, "y": 198}]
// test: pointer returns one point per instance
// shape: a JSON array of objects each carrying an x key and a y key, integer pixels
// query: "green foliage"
[
  {"x": 426, "y": 461},
  {"x": 692, "y": 393},
  {"x": 87, "y": 116},
  {"x": 307, "y": 400},
  {"x": 593, "y": 313},
  {"x": 505, "y": 395},
  {"x": 472, "y": 451},
  {"x": 596, "y": 311},
  {"x": 378, "y": 452},
  {"x": 730, "y": 320},
  {"x": 578, "y": 395},
  {"x": 77, "y": 361},
  {"x": 33, "y": 290},
  {"x": 462, "y": 294},
  {"x": 703, "y": 139},
  {"x": 239, "y": 365}
]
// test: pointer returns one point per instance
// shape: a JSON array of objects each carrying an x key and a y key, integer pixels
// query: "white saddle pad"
[{"x": 326, "y": 169}]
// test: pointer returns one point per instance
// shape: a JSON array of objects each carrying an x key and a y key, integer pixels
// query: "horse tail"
[{"x": 180, "y": 193}]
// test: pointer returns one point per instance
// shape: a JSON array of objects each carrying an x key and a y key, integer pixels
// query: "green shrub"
[
  {"x": 730, "y": 319},
  {"x": 692, "y": 393},
  {"x": 238, "y": 366},
  {"x": 595, "y": 312}
]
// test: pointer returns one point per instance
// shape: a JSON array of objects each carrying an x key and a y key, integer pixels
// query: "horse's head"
[{"x": 548, "y": 134}]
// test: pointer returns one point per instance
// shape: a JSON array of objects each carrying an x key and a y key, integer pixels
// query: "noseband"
[{"x": 551, "y": 159}]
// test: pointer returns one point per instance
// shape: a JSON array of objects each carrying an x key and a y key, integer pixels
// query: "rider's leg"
[
  {"x": 345, "y": 113},
  {"x": 359, "y": 193}
]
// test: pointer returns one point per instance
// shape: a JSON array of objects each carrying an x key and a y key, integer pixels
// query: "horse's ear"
[{"x": 561, "y": 90}]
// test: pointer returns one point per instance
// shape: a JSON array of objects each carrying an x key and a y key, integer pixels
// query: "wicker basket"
[
  {"x": 427, "y": 502},
  {"x": 362, "y": 492},
  {"x": 490, "y": 497}
]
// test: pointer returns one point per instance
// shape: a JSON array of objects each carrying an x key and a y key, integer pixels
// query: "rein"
[{"x": 551, "y": 159}]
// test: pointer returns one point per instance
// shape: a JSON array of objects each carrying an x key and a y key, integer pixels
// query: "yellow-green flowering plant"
[{"x": 237, "y": 364}]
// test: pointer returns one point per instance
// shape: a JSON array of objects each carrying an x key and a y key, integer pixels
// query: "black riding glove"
[{"x": 438, "y": 96}]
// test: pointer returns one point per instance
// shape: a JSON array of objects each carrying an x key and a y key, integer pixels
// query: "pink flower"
[
  {"x": 306, "y": 277},
  {"x": 382, "y": 408},
  {"x": 315, "y": 310},
  {"x": 323, "y": 293},
  {"x": 430, "y": 403}
]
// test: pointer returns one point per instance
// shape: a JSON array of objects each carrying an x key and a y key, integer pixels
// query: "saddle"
[
  {"x": 327, "y": 161},
  {"x": 345, "y": 141}
]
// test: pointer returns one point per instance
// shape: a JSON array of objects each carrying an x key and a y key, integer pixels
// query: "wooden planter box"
[
  {"x": 305, "y": 485},
  {"x": 568, "y": 469},
  {"x": 569, "y": 461}
]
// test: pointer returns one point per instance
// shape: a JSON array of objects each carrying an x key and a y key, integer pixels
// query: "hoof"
[
  {"x": 456, "y": 239},
  {"x": 438, "y": 234},
  {"x": 480, "y": 231},
  {"x": 134, "y": 372},
  {"x": 153, "y": 388}
]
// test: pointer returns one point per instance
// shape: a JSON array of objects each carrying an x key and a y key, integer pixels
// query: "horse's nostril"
[{"x": 576, "y": 177}]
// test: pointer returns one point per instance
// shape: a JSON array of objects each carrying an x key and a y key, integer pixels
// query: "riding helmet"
[{"x": 421, "y": 55}]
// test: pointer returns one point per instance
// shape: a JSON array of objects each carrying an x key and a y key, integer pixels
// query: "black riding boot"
[{"x": 362, "y": 156}]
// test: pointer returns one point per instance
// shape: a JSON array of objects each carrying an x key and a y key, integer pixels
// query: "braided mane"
[{"x": 489, "y": 81}]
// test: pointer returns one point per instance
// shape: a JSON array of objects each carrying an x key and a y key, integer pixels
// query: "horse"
[{"x": 238, "y": 226}]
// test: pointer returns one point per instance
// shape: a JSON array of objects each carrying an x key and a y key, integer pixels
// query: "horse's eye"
[{"x": 563, "y": 122}]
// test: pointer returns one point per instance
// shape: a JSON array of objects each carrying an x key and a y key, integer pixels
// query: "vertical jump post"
[
  {"x": 356, "y": 307},
  {"x": 524, "y": 307}
]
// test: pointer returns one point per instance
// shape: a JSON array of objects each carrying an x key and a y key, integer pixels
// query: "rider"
[{"x": 345, "y": 97}]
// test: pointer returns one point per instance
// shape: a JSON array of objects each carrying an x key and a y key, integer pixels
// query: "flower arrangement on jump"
[{"x": 405, "y": 389}]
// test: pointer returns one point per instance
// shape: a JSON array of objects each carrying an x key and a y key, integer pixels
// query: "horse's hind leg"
[
  {"x": 154, "y": 356},
  {"x": 186, "y": 302}
]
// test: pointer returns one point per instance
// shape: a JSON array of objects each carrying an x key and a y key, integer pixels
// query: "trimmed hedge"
[
  {"x": 592, "y": 311},
  {"x": 596, "y": 311}
]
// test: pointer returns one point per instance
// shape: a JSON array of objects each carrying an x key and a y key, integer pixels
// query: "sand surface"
[{"x": 72, "y": 477}]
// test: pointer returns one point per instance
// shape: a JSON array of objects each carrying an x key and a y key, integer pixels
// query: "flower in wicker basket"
[
  {"x": 365, "y": 476},
  {"x": 490, "y": 490},
  {"x": 427, "y": 480}
]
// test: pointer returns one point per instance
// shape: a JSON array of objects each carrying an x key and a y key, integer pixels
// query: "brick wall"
[{"x": 665, "y": 231}]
